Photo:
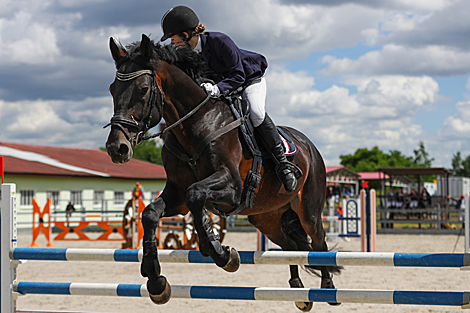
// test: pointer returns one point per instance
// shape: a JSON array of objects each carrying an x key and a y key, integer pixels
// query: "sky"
[{"x": 349, "y": 74}]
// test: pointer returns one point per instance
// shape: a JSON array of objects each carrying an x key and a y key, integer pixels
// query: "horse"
[{"x": 155, "y": 81}]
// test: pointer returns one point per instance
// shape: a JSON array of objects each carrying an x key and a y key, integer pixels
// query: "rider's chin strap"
[{"x": 186, "y": 39}]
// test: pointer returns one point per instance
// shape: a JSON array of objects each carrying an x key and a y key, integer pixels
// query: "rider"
[{"x": 239, "y": 70}]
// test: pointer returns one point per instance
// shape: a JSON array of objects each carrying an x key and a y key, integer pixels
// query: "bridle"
[{"x": 120, "y": 121}]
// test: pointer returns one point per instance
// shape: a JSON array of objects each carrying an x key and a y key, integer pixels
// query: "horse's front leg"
[
  {"x": 157, "y": 285},
  {"x": 220, "y": 187}
]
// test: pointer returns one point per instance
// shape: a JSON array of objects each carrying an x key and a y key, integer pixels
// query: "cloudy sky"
[{"x": 349, "y": 74}]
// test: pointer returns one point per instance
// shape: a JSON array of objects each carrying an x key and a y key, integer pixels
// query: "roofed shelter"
[
  {"x": 442, "y": 174},
  {"x": 342, "y": 175}
]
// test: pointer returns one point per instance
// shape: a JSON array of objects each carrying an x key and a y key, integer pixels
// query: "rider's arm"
[{"x": 234, "y": 74}]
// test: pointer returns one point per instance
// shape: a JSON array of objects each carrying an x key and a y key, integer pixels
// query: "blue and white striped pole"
[
  {"x": 253, "y": 293},
  {"x": 252, "y": 257}
]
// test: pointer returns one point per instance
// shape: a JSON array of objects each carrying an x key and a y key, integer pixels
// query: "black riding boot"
[{"x": 272, "y": 141}]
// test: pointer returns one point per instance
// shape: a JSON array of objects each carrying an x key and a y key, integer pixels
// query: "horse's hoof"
[
  {"x": 162, "y": 298},
  {"x": 233, "y": 263},
  {"x": 328, "y": 283},
  {"x": 304, "y": 306}
]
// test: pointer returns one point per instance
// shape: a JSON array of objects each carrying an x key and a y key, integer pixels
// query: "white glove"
[{"x": 212, "y": 90}]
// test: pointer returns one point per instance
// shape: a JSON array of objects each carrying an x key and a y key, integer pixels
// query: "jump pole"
[{"x": 253, "y": 293}]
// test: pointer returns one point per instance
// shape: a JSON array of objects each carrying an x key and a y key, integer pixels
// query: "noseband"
[{"x": 120, "y": 121}]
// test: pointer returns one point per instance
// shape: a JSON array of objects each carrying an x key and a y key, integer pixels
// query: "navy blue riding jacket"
[{"x": 238, "y": 67}]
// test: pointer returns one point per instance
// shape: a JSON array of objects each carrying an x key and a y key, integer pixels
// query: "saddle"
[{"x": 241, "y": 110}]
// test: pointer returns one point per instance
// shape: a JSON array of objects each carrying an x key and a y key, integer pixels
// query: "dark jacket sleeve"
[
  {"x": 237, "y": 67},
  {"x": 234, "y": 75}
]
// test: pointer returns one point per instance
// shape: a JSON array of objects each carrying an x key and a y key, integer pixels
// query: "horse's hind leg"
[
  {"x": 270, "y": 225},
  {"x": 309, "y": 209}
]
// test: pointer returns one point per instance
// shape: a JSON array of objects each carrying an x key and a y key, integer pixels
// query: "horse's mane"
[{"x": 186, "y": 60}]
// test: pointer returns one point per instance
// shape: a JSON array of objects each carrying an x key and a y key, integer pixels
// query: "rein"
[{"x": 181, "y": 120}]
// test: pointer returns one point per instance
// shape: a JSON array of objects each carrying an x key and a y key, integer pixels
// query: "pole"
[
  {"x": 8, "y": 242},
  {"x": 1, "y": 170},
  {"x": 466, "y": 224},
  {"x": 368, "y": 220}
]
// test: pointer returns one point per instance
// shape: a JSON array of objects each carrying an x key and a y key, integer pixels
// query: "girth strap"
[{"x": 177, "y": 151}]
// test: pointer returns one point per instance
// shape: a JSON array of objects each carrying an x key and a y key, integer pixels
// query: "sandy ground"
[{"x": 384, "y": 278}]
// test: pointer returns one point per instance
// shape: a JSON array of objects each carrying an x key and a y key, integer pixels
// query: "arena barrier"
[
  {"x": 11, "y": 289},
  {"x": 72, "y": 230},
  {"x": 359, "y": 220},
  {"x": 130, "y": 229}
]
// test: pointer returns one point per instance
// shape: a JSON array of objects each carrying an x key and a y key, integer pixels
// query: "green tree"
[
  {"x": 422, "y": 157},
  {"x": 461, "y": 167},
  {"x": 147, "y": 151},
  {"x": 365, "y": 160}
]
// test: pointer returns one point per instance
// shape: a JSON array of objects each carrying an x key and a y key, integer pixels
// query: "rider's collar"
[{"x": 198, "y": 47}]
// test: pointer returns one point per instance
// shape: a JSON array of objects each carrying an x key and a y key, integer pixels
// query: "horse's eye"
[{"x": 144, "y": 90}]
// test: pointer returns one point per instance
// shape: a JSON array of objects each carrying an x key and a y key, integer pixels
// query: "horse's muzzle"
[{"x": 119, "y": 150}]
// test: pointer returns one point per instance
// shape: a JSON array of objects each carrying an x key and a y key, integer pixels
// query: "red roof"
[
  {"x": 56, "y": 161},
  {"x": 371, "y": 175},
  {"x": 333, "y": 168}
]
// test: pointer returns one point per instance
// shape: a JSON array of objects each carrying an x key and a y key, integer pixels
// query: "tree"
[
  {"x": 365, "y": 160},
  {"x": 147, "y": 151},
  {"x": 461, "y": 167},
  {"x": 422, "y": 157}
]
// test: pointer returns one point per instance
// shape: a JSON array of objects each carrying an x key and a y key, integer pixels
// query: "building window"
[
  {"x": 54, "y": 196},
  {"x": 76, "y": 198},
  {"x": 118, "y": 198},
  {"x": 98, "y": 198},
  {"x": 26, "y": 198}
]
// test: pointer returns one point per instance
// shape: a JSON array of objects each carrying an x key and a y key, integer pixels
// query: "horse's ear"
[
  {"x": 117, "y": 50},
  {"x": 146, "y": 47}
]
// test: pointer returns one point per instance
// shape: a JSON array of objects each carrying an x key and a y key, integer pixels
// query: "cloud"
[
  {"x": 401, "y": 60},
  {"x": 447, "y": 27},
  {"x": 381, "y": 113},
  {"x": 58, "y": 123},
  {"x": 27, "y": 42},
  {"x": 56, "y": 65},
  {"x": 420, "y": 5},
  {"x": 458, "y": 126}
]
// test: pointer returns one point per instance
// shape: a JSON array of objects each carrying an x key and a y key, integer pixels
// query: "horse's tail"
[{"x": 293, "y": 229}]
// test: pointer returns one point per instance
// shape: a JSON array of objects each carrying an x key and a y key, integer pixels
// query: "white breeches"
[{"x": 255, "y": 94}]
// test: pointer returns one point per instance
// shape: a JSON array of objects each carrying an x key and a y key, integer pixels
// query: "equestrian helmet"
[{"x": 177, "y": 20}]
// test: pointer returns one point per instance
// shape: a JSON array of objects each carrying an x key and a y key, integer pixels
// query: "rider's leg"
[{"x": 255, "y": 94}]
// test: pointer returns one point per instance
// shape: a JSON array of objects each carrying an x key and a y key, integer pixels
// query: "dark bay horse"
[{"x": 154, "y": 82}]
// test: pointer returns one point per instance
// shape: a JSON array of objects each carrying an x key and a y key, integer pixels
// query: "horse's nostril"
[{"x": 123, "y": 149}]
